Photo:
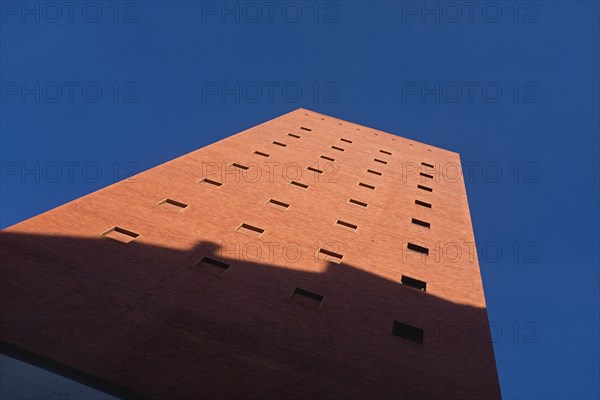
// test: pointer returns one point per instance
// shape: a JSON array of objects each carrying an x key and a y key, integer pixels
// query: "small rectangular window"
[
  {"x": 318, "y": 171},
  {"x": 331, "y": 256},
  {"x": 408, "y": 332},
  {"x": 426, "y": 175},
  {"x": 366, "y": 185},
  {"x": 306, "y": 298},
  {"x": 279, "y": 144},
  {"x": 346, "y": 140},
  {"x": 422, "y": 203},
  {"x": 278, "y": 203},
  {"x": 337, "y": 148},
  {"x": 427, "y": 165},
  {"x": 247, "y": 228},
  {"x": 422, "y": 223},
  {"x": 358, "y": 203},
  {"x": 374, "y": 172},
  {"x": 347, "y": 225},
  {"x": 210, "y": 182},
  {"x": 413, "y": 283},
  {"x": 385, "y": 152},
  {"x": 328, "y": 158},
  {"x": 240, "y": 166},
  {"x": 305, "y": 129},
  {"x": 260, "y": 153},
  {"x": 212, "y": 266},
  {"x": 379, "y": 161},
  {"x": 301, "y": 185},
  {"x": 172, "y": 204},
  {"x": 425, "y": 188},
  {"x": 120, "y": 234},
  {"x": 417, "y": 248},
  {"x": 294, "y": 136}
]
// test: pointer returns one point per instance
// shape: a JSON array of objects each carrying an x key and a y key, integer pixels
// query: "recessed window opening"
[
  {"x": 247, "y": 228},
  {"x": 175, "y": 205},
  {"x": 331, "y": 256},
  {"x": 260, "y": 153},
  {"x": 422, "y": 203},
  {"x": 211, "y": 182},
  {"x": 301, "y": 185},
  {"x": 379, "y": 161},
  {"x": 306, "y": 129},
  {"x": 278, "y": 203},
  {"x": 240, "y": 166},
  {"x": 427, "y": 165},
  {"x": 408, "y": 332},
  {"x": 337, "y": 148},
  {"x": 366, "y": 185},
  {"x": 417, "y": 248},
  {"x": 212, "y": 266},
  {"x": 294, "y": 136},
  {"x": 413, "y": 283},
  {"x": 358, "y": 203},
  {"x": 279, "y": 144},
  {"x": 318, "y": 171},
  {"x": 306, "y": 298},
  {"x": 374, "y": 172},
  {"x": 428, "y": 189},
  {"x": 328, "y": 158},
  {"x": 347, "y": 225},
  {"x": 421, "y": 223},
  {"x": 385, "y": 152},
  {"x": 346, "y": 140},
  {"x": 426, "y": 175},
  {"x": 120, "y": 234}
]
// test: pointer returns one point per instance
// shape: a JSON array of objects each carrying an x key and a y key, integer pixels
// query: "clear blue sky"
[{"x": 93, "y": 93}]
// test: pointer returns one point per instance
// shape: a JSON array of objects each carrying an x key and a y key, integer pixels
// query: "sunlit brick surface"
[{"x": 291, "y": 303}]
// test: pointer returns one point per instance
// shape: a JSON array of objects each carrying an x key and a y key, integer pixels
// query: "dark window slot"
[
  {"x": 250, "y": 229},
  {"x": 427, "y": 165},
  {"x": 328, "y": 158},
  {"x": 367, "y": 186},
  {"x": 337, "y": 148},
  {"x": 120, "y": 234},
  {"x": 306, "y": 129},
  {"x": 173, "y": 204},
  {"x": 279, "y": 203},
  {"x": 422, "y": 223},
  {"x": 294, "y": 136},
  {"x": 336, "y": 256},
  {"x": 374, "y": 172},
  {"x": 408, "y": 332},
  {"x": 417, "y": 248},
  {"x": 306, "y": 298},
  {"x": 318, "y": 171},
  {"x": 347, "y": 224},
  {"x": 413, "y": 283},
  {"x": 422, "y": 203},
  {"x": 385, "y": 152},
  {"x": 240, "y": 166},
  {"x": 211, "y": 182},
  {"x": 426, "y": 175},
  {"x": 358, "y": 203},
  {"x": 346, "y": 140},
  {"x": 212, "y": 266},
  {"x": 260, "y": 153},
  {"x": 379, "y": 161},
  {"x": 280, "y": 144},
  {"x": 425, "y": 188},
  {"x": 302, "y": 185}
]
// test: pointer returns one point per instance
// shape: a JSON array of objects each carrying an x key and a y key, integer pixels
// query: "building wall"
[{"x": 147, "y": 316}]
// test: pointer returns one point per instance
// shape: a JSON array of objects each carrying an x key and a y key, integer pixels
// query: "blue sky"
[{"x": 93, "y": 93}]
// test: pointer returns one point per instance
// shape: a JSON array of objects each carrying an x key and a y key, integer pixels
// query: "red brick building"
[{"x": 306, "y": 257}]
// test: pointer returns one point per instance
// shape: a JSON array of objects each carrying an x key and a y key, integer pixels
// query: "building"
[{"x": 306, "y": 257}]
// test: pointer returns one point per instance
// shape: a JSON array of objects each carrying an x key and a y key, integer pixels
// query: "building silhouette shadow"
[{"x": 143, "y": 321}]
